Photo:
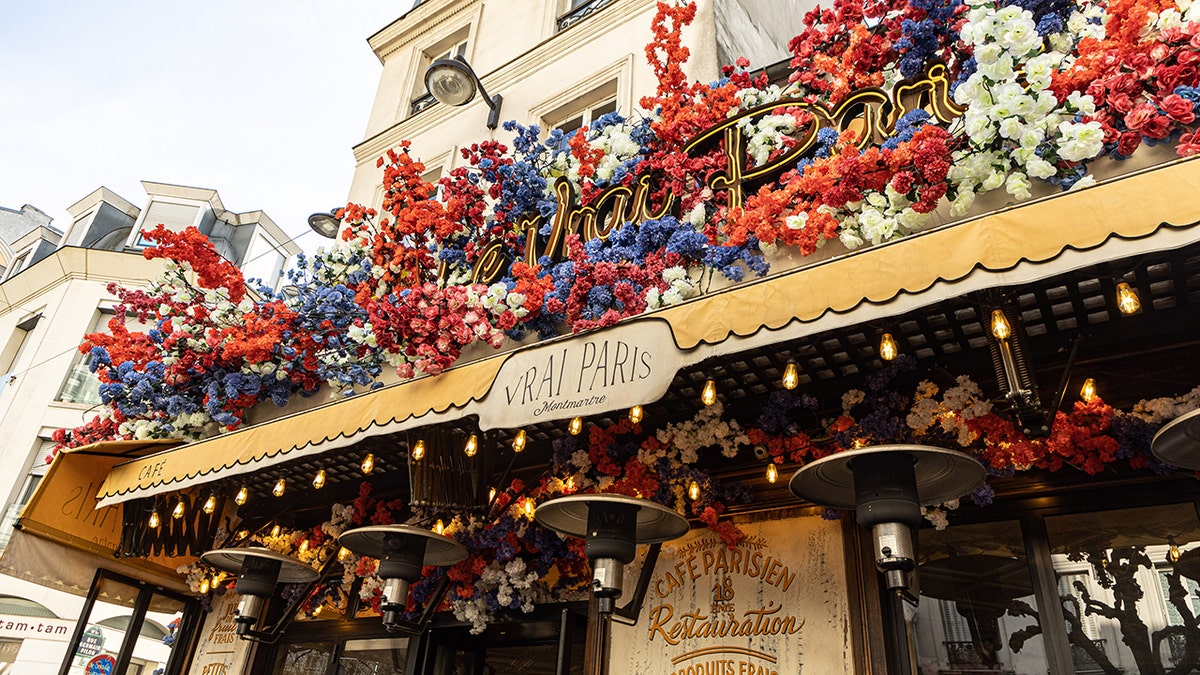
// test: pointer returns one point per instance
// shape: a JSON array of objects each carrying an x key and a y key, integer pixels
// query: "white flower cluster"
[
  {"x": 1158, "y": 410},
  {"x": 614, "y": 141},
  {"x": 879, "y": 218},
  {"x": 509, "y": 581},
  {"x": 765, "y": 135},
  {"x": 959, "y": 404},
  {"x": 1016, "y": 128},
  {"x": 680, "y": 287},
  {"x": 706, "y": 429},
  {"x": 499, "y": 300}
]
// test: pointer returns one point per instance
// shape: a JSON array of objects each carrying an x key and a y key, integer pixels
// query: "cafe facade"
[{"x": 960, "y": 237}]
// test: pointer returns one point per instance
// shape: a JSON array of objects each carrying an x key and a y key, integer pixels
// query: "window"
[
  {"x": 82, "y": 385},
  {"x": 578, "y": 10},
  {"x": 32, "y": 480},
  {"x": 13, "y": 356},
  {"x": 583, "y": 110},
  {"x": 18, "y": 263},
  {"x": 451, "y": 47}
]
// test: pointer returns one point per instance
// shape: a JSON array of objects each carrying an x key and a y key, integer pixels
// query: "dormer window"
[{"x": 449, "y": 48}]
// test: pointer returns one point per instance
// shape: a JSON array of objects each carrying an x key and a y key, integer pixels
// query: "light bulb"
[
  {"x": 154, "y": 520},
  {"x": 1000, "y": 327},
  {"x": 491, "y": 495},
  {"x": 1127, "y": 299},
  {"x": 205, "y": 586},
  {"x": 693, "y": 491},
  {"x": 368, "y": 464},
  {"x": 887, "y": 347},
  {"x": 317, "y": 610},
  {"x": 636, "y": 413},
  {"x": 210, "y": 504},
  {"x": 472, "y": 446},
  {"x": 343, "y": 553},
  {"x": 275, "y": 531},
  {"x": 791, "y": 375},
  {"x": 772, "y": 473},
  {"x": 303, "y": 547},
  {"x": 1173, "y": 552},
  {"x": 180, "y": 509},
  {"x": 439, "y": 527},
  {"x": 319, "y": 479},
  {"x": 709, "y": 395},
  {"x": 569, "y": 484},
  {"x": 418, "y": 450},
  {"x": 529, "y": 507},
  {"x": 241, "y": 497},
  {"x": 518, "y": 444},
  {"x": 1089, "y": 390},
  {"x": 280, "y": 487},
  {"x": 575, "y": 426}
]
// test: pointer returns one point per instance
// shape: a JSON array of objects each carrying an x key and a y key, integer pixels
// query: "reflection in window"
[
  {"x": 305, "y": 659},
  {"x": 977, "y": 611},
  {"x": 1129, "y": 605}
]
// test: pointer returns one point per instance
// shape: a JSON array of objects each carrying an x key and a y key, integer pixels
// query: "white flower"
[
  {"x": 1018, "y": 185},
  {"x": 796, "y": 222},
  {"x": 1080, "y": 141}
]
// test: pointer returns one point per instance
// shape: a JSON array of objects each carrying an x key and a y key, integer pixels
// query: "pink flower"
[
  {"x": 1140, "y": 116},
  {"x": 1179, "y": 109}
]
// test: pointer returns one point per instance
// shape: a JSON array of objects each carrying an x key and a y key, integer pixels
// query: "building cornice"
[
  {"x": 424, "y": 19},
  {"x": 72, "y": 262}
]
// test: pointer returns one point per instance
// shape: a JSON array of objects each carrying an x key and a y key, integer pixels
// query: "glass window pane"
[
  {"x": 524, "y": 660},
  {"x": 156, "y": 635},
  {"x": 374, "y": 657},
  {"x": 311, "y": 658},
  {"x": 103, "y": 635},
  {"x": 1129, "y": 606},
  {"x": 977, "y": 612}
]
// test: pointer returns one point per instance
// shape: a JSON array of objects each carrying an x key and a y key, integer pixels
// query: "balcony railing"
[
  {"x": 581, "y": 12},
  {"x": 422, "y": 103}
]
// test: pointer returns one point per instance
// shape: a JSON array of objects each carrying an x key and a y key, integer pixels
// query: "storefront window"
[
  {"x": 977, "y": 611},
  {"x": 304, "y": 659},
  {"x": 373, "y": 657},
  {"x": 1128, "y": 581}
]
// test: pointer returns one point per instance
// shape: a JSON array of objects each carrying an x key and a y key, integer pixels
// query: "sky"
[{"x": 261, "y": 100}]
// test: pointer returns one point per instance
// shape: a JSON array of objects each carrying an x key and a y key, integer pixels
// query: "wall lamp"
[
  {"x": 613, "y": 526},
  {"x": 258, "y": 570},
  {"x": 453, "y": 82}
]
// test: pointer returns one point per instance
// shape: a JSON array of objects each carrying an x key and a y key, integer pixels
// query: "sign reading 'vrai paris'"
[{"x": 627, "y": 365}]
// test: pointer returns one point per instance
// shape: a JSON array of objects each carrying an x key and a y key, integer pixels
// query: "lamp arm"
[
  {"x": 493, "y": 102},
  {"x": 632, "y": 610}
]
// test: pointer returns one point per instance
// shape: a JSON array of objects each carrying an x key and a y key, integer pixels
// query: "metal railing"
[
  {"x": 422, "y": 103},
  {"x": 581, "y": 12}
]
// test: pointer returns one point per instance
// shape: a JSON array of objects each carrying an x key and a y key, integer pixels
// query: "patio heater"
[
  {"x": 613, "y": 526},
  {"x": 886, "y": 485},
  {"x": 402, "y": 550},
  {"x": 1178, "y": 442},
  {"x": 258, "y": 571}
]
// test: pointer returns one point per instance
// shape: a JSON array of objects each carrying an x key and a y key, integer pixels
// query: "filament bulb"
[
  {"x": 1173, "y": 551},
  {"x": 472, "y": 446},
  {"x": 368, "y": 464},
  {"x": 275, "y": 531},
  {"x": 279, "y": 488},
  {"x": 576, "y": 426},
  {"x": 205, "y": 586},
  {"x": 210, "y": 504},
  {"x": 693, "y": 491},
  {"x": 303, "y": 547},
  {"x": 155, "y": 521},
  {"x": 791, "y": 376},
  {"x": 319, "y": 479},
  {"x": 1000, "y": 327},
  {"x": 241, "y": 497},
  {"x": 343, "y": 553},
  {"x": 709, "y": 395},
  {"x": 179, "y": 510},
  {"x": 887, "y": 347},
  {"x": 529, "y": 507},
  {"x": 1127, "y": 299},
  {"x": 418, "y": 450},
  {"x": 439, "y": 527},
  {"x": 772, "y": 473},
  {"x": 1089, "y": 390},
  {"x": 518, "y": 444},
  {"x": 491, "y": 495},
  {"x": 636, "y": 413}
]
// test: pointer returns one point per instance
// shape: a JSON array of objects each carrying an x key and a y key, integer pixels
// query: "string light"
[
  {"x": 275, "y": 531},
  {"x": 205, "y": 586},
  {"x": 791, "y": 375},
  {"x": 210, "y": 504},
  {"x": 241, "y": 496},
  {"x": 888, "y": 349},
  {"x": 368, "y": 464},
  {"x": 317, "y": 611},
  {"x": 636, "y": 413},
  {"x": 279, "y": 488},
  {"x": 1089, "y": 390},
  {"x": 569, "y": 484},
  {"x": 418, "y": 450},
  {"x": 576, "y": 426},
  {"x": 772, "y": 473},
  {"x": 303, "y": 547},
  {"x": 693, "y": 491},
  {"x": 319, "y": 479},
  {"x": 709, "y": 395},
  {"x": 1127, "y": 299},
  {"x": 343, "y": 554},
  {"x": 518, "y": 444},
  {"x": 180, "y": 509},
  {"x": 472, "y": 446},
  {"x": 1000, "y": 327},
  {"x": 1173, "y": 552},
  {"x": 529, "y": 507},
  {"x": 491, "y": 495},
  {"x": 154, "y": 520},
  {"x": 439, "y": 527}
]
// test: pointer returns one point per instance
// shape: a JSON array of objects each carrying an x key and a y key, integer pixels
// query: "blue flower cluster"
[{"x": 922, "y": 40}]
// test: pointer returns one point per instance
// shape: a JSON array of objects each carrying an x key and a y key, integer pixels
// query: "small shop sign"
[{"x": 91, "y": 644}]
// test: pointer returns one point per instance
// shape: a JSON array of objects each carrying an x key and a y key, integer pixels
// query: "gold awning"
[
  {"x": 1150, "y": 211},
  {"x": 62, "y": 537}
]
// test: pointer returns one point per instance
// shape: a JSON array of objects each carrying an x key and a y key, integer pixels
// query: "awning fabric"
[
  {"x": 62, "y": 538},
  {"x": 1157, "y": 209}
]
